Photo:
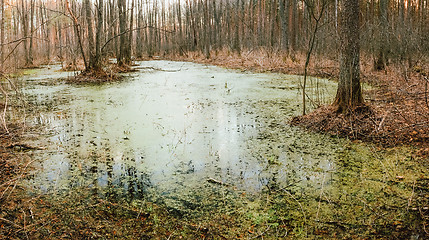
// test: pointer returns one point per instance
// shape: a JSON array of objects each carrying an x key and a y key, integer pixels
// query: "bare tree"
[
  {"x": 316, "y": 9},
  {"x": 284, "y": 13},
  {"x": 349, "y": 93},
  {"x": 90, "y": 32},
  {"x": 2, "y": 36},
  {"x": 381, "y": 61},
  {"x": 122, "y": 57}
]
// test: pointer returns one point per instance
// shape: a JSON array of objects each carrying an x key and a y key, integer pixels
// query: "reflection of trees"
[
  {"x": 109, "y": 177},
  {"x": 128, "y": 182}
]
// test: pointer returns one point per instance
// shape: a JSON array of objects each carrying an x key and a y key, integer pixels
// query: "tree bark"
[
  {"x": 294, "y": 22},
  {"x": 123, "y": 39},
  {"x": 349, "y": 93},
  {"x": 381, "y": 61},
  {"x": 236, "y": 45},
  {"x": 99, "y": 36},
  {"x": 129, "y": 50},
  {"x": 2, "y": 36},
  {"x": 90, "y": 30},
  {"x": 283, "y": 13},
  {"x": 30, "y": 49}
]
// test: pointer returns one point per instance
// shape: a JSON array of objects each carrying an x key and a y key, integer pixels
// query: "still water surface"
[{"x": 171, "y": 126}]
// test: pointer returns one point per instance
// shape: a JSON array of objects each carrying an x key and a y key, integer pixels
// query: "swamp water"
[{"x": 196, "y": 138}]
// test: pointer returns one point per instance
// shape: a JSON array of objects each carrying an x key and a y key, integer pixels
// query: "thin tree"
[
  {"x": 122, "y": 28},
  {"x": 283, "y": 14},
  {"x": 381, "y": 61},
  {"x": 99, "y": 37},
  {"x": 2, "y": 36},
  {"x": 30, "y": 49},
  {"x": 78, "y": 34},
  {"x": 316, "y": 10}
]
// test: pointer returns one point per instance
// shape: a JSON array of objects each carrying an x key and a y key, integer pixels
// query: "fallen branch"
[
  {"x": 24, "y": 146},
  {"x": 212, "y": 180}
]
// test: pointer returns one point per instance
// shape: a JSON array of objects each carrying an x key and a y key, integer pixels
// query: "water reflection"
[{"x": 168, "y": 131}]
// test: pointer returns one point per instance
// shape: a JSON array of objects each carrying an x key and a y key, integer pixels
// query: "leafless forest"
[{"x": 87, "y": 32}]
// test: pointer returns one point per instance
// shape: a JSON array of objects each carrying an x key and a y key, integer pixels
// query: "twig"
[
  {"x": 302, "y": 209},
  {"x": 10, "y": 222},
  {"x": 412, "y": 195},
  {"x": 426, "y": 90},
  {"x": 381, "y": 123},
  {"x": 3, "y": 117},
  {"x": 26, "y": 235},
  {"x": 16, "y": 182},
  {"x": 261, "y": 234}
]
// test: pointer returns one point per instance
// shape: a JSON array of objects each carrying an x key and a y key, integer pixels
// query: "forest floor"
[
  {"x": 397, "y": 105},
  {"x": 398, "y": 115}
]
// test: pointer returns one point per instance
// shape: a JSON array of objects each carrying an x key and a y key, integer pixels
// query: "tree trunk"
[
  {"x": 112, "y": 30},
  {"x": 283, "y": 13},
  {"x": 2, "y": 41},
  {"x": 90, "y": 30},
  {"x": 24, "y": 23},
  {"x": 206, "y": 28},
  {"x": 381, "y": 61},
  {"x": 179, "y": 19},
  {"x": 236, "y": 45},
  {"x": 130, "y": 37},
  {"x": 30, "y": 49},
  {"x": 99, "y": 36},
  {"x": 123, "y": 38},
  {"x": 349, "y": 93},
  {"x": 47, "y": 32},
  {"x": 139, "y": 35},
  {"x": 294, "y": 24},
  {"x": 273, "y": 7}
]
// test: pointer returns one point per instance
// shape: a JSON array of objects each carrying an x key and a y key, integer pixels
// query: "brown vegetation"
[{"x": 396, "y": 110}]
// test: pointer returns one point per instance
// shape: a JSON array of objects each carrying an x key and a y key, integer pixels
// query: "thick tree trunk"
[
  {"x": 90, "y": 30},
  {"x": 349, "y": 93}
]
